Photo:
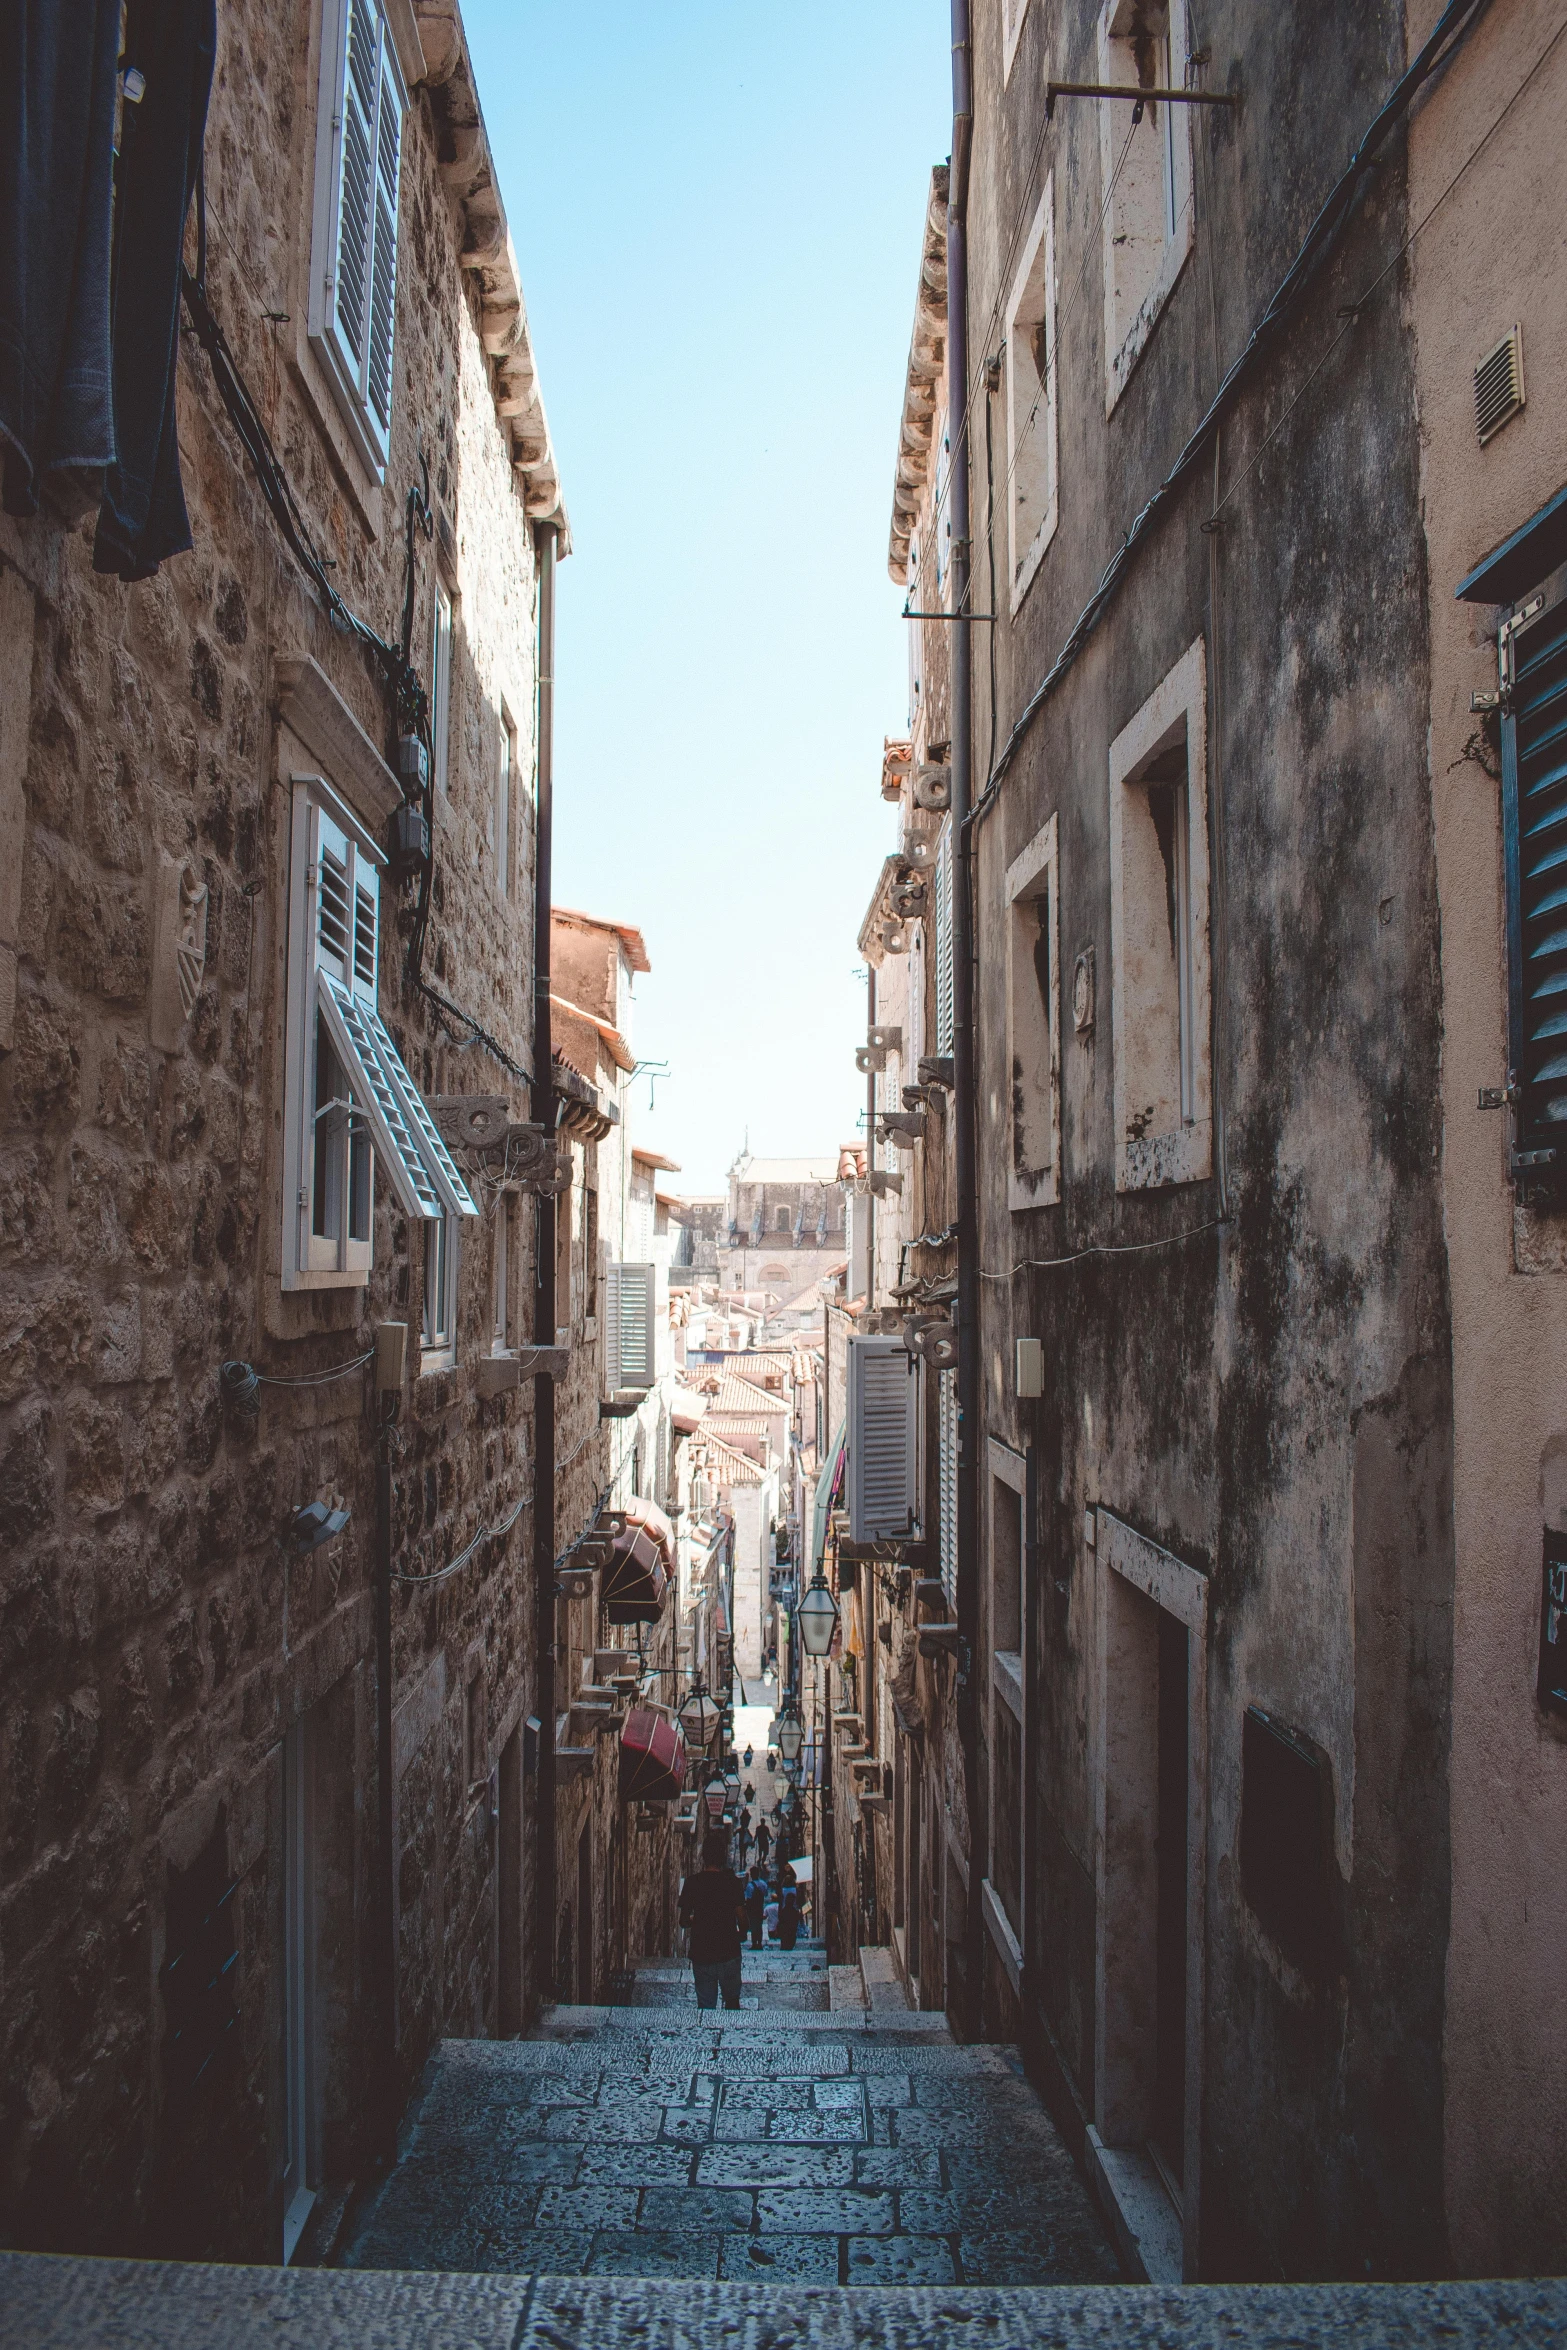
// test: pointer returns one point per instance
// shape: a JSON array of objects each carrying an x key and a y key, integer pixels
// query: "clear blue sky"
[{"x": 718, "y": 208}]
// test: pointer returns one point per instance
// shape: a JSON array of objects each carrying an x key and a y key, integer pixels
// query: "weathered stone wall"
[
  {"x": 1266, "y": 1391},
  {"x": 158, "y": 1641}
]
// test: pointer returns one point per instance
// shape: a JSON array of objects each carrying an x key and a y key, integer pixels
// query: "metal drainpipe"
[
  {"x": 963, "y": 989},
  {"x": 386, "y": 1899},
  {"x": 544, "y": 1304},
  {"x": 870, "y": 1146}
]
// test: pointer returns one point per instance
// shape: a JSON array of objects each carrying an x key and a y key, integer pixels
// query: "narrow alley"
[{"x": 851, "y": 2147}]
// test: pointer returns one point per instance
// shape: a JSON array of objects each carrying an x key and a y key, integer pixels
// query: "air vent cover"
[{"x": 1499, "y": 384}]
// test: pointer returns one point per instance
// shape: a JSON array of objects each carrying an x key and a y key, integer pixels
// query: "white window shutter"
[
  {"x": 628, "y": 1325},
  {"x": 354, "y": 306},
  {"x": 944, "y": 1000},
  {"x": 383, "y": 268},
  {"x": 947, "y": 1480},
  {"x": 883, "y": 1420}
]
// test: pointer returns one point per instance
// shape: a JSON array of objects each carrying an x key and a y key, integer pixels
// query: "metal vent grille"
[{"x": 1499, "y": 384}]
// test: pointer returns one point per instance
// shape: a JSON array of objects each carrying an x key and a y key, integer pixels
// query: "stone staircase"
[{"x": 782, "y": 2142}]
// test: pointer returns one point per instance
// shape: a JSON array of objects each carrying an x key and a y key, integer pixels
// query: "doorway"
[
  {"x": 1168, "y": 2137},
  {"x": 301, "y": 2119}
]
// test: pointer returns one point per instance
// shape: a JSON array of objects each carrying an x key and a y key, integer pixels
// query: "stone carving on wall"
[{"x": 179, "y": 951}]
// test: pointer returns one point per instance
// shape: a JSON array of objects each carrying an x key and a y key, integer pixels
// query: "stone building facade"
[
  {"x": 1248, "y": 1667},
  {"x": 214, "y": 1064}
]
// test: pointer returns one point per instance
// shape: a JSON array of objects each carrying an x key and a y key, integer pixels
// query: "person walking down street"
[
  {"x": 755, "y": 1905},
  {"x": 788, "y": 1911},
  {"x": 764, "y": 1838},
  {"x": 712, "y": 1908}
]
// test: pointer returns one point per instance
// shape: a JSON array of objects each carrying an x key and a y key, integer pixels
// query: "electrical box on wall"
[{"x": 1030, "y": 1367}]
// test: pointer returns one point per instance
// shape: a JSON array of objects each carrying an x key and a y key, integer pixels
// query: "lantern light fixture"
[
  {"x": 791, "y": 1736},
  {"x": 699, "y": 1716},
  {"x": 715, "y": 1795},
  {"x": 818, "y": 1614}
]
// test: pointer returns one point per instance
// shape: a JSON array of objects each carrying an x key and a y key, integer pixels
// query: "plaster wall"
[{"x": 1505, "y": 2059}]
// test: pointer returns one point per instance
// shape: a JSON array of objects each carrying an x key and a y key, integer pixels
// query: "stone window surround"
[
  {"x": 1039, "y": 862},
  {"x": 1122, "y": 1561},
  {"x": 1184, "y": 1154},
  {"x": 1122, "y": 351},
  {"x": 442, "y": 1355},
  {"x": 1038, "y": 258}
]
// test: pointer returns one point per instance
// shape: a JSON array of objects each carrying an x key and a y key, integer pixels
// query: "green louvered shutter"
[{"x": 1534, "y": 814}]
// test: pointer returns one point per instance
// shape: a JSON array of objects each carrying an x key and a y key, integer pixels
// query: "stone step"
[
  {"x": 50, "y": 2303},
  {"x": 884, "y": 1989}
]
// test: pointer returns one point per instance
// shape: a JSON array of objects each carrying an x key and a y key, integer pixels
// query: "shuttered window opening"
[
  {"x": 630, "y": 1357},
  {"x": 1534, "y": 811},
  {"x": 358, "y": 165},
  {"x": 947, "y": 1480},
  {"x": 944, "y": 995},
  {"x": 351, "y": 1102},
  {"x": 883, "y": 1391}
]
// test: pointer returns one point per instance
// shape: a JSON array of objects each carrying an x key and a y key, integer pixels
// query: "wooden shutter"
[
  {"x": 883, "y": 1439},
  {"x": 944, "y": 1020},
  {"x": 359, "y": 295},
  {"x": 1534, "y": 816},
  {"x": 629, "y": 1326},
  {"x": 947, "y": 1480}
]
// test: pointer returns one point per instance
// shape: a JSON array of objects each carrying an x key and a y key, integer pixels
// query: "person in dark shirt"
[
  {"x": 788, "y": 1910},
  {"x": 712, "y": 1910},
  {"x": 755, "y": 1904}
]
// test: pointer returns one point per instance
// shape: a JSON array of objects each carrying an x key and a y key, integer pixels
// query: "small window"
[
  {"x": 441, "y": 686},
  {"x": 1534, "y": 827},
  {"x": 348, "y": 1098},
  {"x": 1286, "y": 1836},
  {"x": 440, "y": 1292},
  {"x": 1006, "y": 1569},
  {"x": 1031, "y": 388},
  {"x": 590, "y": 1254},
  {"x": 1034, "y": 1022},
  {"x": 1146, "y": 176},
  {"x": 781, "y": 1220},
  {"x": 565, "y": 1235},
  {"x": 1159, "y": 936},
  {"x": 353, "y": 281}
]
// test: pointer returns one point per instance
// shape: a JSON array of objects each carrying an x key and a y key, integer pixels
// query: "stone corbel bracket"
[
  {"x": 923, "y": 387},
  {"x": 468, "y": 169}
]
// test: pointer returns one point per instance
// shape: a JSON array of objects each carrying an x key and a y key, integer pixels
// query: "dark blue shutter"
[{"x": 1534, "y": 817}]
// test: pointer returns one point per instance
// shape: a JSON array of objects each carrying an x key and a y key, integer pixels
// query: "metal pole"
[
  {"x": 544, "y": 1304},
  {"x": 870, "y": 1147},
  {"x": 386, "y": 1904}
]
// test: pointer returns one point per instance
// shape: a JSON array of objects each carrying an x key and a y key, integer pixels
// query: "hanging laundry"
[
  {"x": 169, "y": 50},
  {"x": 57, "y": 73}
]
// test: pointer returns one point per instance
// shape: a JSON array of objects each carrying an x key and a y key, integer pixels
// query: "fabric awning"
[
  {"x": 652, "y": 1757},
  {"x": 831, "y": 1470},
  {"x": 635, "y": 1581},
  {"x": 650, "y": 1518}
]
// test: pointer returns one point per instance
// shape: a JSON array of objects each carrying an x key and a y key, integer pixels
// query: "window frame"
[
  {"x": 501, "y": 1254},
  {"x": 1124, "y": 345},
  {"x": 348, "y": 373},
  {"x": 1013, "y": 15},
  {"x": 332, "y": 997},
  {"x": 943, "y": 976},
  {"x": 1033, "y": 875},
  {"x": 442, "y": 1253},
  {"x": 1182, "y": 1153},
  {"x": 1538, "y": 1152},
  {"x": 1036, "y": 273}
]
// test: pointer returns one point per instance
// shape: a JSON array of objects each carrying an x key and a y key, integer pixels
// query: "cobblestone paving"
[{"x": 766, "y": 2144}]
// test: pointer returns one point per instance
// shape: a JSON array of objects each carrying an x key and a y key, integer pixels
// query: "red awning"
[
  {"x": 652, "y": 1520},
  {"x": 635, "y": 1580},
  {"x": 652, "y": 1757}
]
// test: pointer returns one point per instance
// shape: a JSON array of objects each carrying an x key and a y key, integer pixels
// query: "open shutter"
[
  {"x": 348, "y": 1019},
  {"x": 944, "y": 1020},
  {"x": 883, "y": 1424},
  {"x": 383, "y": 267},
  {"x": 354, "y": 303},
  {"x": 1534, "y": 812},
  {"x": 629, "y": 1326},
  {"x": 947, "y": 1480}
]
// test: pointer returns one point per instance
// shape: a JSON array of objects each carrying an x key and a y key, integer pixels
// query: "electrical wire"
[
  {"x": 1456, "y": 21},
  {"x": 1106, "y": 1248},
  {"x": 484, "y": 1535},
  {"x": 241, "y": 1383}
]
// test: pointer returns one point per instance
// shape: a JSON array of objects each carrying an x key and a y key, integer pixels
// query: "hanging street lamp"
[
  {"x": 791, "y": 1735},
  {"x": 699, "y": 1717},
  {"x": 818, "y": 1614},
  {"x": 715, "y": 1795}
]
